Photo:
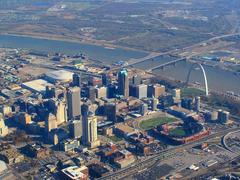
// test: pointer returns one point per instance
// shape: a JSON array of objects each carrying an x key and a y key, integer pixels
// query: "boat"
[
  {"x": 197, "y": 83},
  {"x": 196, "y": 68}
]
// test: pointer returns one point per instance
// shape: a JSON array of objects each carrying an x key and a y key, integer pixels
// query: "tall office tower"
[
  {"x": 176, "y": 96},
  {"x": 101, "y": 92},
  {"x": 136, "y": 80},
  {"x": 3, "y": 127},
  {"x": 143, "y": 109},
  {"x": 74, "y": 102},
  {"x": 176, "y": 93},
  {"x": 111, "y": 112},
  {"x": 50, "y": 123},
  {"x": 91, "y": 93},
  {"x": 141, "y": 91},
  {"x": 75, "y": 129},
  {"x": 61, "y": 111},
  {"x": 106, "y": 79},
  {"x": 133, "y": 90},
  {"x": 156, "y": 90},
  {"x": 49, "y": 92},
  {"x": 197, "y": 104},
  {"x": 89, "y": 136},
  {"x": 187, "y": 103},
  {"x": 85, "y": 110},
  {"x": 111, "y": 91},
  {"x": 150, "y": 91},
  {"x": 223, "y": 116},
  {"x": 76, "y": 80},
  {"x": 154, "y": 103},
  {"x": 123, "y": 83}
]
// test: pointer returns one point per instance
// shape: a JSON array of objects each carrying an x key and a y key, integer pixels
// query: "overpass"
[
  {"x": 154, "y": 159},
  {"x": 167, "y": 64},
  {"x": 174, "y": 51},
  {"x": 225, "y": 138},
  {"x": 148, "y": 57}
]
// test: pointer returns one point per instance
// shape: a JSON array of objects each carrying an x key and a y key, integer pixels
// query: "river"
[
  {"x": 218, "y": 79},
  {"x": 93, "y": 51}
]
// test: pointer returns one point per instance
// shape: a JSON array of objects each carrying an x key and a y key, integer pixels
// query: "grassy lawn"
[
  {"x": 177, "y": 132},
  {"x": 151, "y": 123},
  {"x": 191, "y": 92}
]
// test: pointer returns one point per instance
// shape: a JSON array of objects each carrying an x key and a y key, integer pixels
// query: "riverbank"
[
  {"x": 82, "y": 40},
  {"x": 101, "y": 53}
]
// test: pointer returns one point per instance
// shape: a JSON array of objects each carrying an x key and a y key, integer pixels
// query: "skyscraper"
[
  {"x": 136, "y": 80},
  {"x": 141, "y": 91},
  {"x": 50, "y": 123},
  {"x": 74, "y": 102},
  {"x": 197, "y": 103},
  {"x": 89, "y": 136},
  {"x": 101, "y": 92},
  {"x": 91, "y": 93},
  {"x": 176, "y": 93},
  {"x": 143, "y": 109},
  {"x": 223, "y": 116},
  {"x": 111, "y": 91},
  {"x": 61, "y": 111},
  {"x": 106, "y": 79},
  {"x": 75, "y": 129},
  {"x": 123, "y": 83},
  {"x": 76, "y": 80},
  {"x": 154, "y": 103},
  {"x": 111, "y": 111},
  {"x": 3, "y": 127},
  {"x": 156, "y": 90}
]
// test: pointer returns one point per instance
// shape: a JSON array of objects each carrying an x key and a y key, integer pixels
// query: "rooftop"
[
  {"x": 38, "y": 85},
  {"x": 180, "y": 109},
  {"x": 75, "y": 172},
  {"x": 124, "y": 128},
  {"x": 61, "y": 75}
]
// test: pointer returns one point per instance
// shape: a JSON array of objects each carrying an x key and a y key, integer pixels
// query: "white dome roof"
[
  {"x": 60, "y": 75},
  {"x": 3, "y": 166}
]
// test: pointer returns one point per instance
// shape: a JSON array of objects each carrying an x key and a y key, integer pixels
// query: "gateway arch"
[{"x": 204, "y": 76}]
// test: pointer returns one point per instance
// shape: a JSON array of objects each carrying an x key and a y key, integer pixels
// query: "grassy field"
[
  {"x": 191, "y": 92},
  {"x": 151, "y": 123},
  {"x": 177, "y": 132}
]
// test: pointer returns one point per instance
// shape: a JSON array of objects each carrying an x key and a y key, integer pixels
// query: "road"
[
  {"x": 213, "y": 170},
  {"x": 166, "y": 64},
  {"x": 132, "y": 62},
  {"x": 136, "y": 61},
  {"x": 150, "y": 161}
]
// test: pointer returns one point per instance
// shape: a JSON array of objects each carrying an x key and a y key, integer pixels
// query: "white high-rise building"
[
  {"x": 3, "y": 127},
  {"x": 61, "y": 112},
  {"x": 90, "y": 135}
]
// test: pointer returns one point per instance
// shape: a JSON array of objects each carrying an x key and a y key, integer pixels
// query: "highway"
[
  {"x": 150, "y": 56},
  {"x": 167, "y": 63},
  {"x": 153, "y": 160},
  {"x": 132, "y": 62}
]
